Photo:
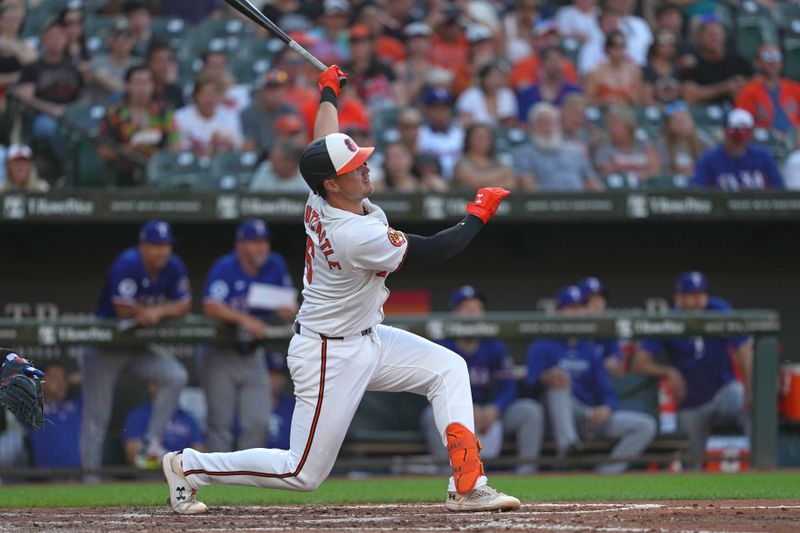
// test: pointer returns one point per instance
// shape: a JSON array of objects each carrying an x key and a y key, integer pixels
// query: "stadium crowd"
[{"x": 533, "y": 95}]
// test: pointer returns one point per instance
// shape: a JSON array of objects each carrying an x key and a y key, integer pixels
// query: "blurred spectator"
[
  {"x": 525, "y": 72},
  {"x": 161, "y": 63},
  {"x": 192, "y": 11},
  {"x": 136, "y": 128},
  {"x": 206, "y": 127},
  {"x": 352, "y": 112},
  {"x": 578, "y": 395},
  {"x": 578, "y": 20},
  {"x": 280, "y": 174},
  {"x": 139, "y": 18},
  {"x": 12, "y": 440},
  {"x": 57, "y": 443},
  {"x": 593, "y": 52},
  {"x": 518, "y": 27},
  {"x": 414, "y": 71},
  {"x": 699, "y": 369},
  {"x": 681, "y": 143},
  {"x": 622, "y": 153},
  {"x": 180, "y": 432},
  {"x": 441, "y": 135},
  {"x": 668, "y": 17},
  {"x": 290, "y": 127},
  {"x": 282, "y": 401},
  {"x": 374, "y": 80},
  {"x": 14, "y": 52},
  {"x": 638, "y": 36},
  {"x": 737, "y": 164},
  {"x": 235, "y": 96},
  {"x": 388, "y": 48},
  {"x": 49, "y": 85},
  {"x": 490, "y": 101},
  {"x": 595, "y": 298},
  {"x": 479, "y": 166},
  {"x": 108, "y": 70},
  {"x": 331, "y": 34},
  {"x": 482, "y": 52},
  {"x": 551, "y": 86},
  {"x": 409, "y": 121},
  {"x": 72, "y": 20},
  {"x": 546, "y": 163},
  {"x": 618, "y": 79},
  {"x": 792, "y": 170},
  {"x": 498, "y": 411},
  {"x": 300, "y": 90},
  {"x": 574, "y": 126},
  {"x": 662, "y": 83},
  {"x": 145, "y": 284},
  {"x": 234, "y": 377},
  {"x": 258, "y": 119},
  {"x": 719, "y": 75},
  {"x": 20, "y": 172},
  {"x": 399, "y": 174},
  {"x": 397, "y": 16},
  {"x": 773, "y": 101},
  {"x": 449, "y": 47}
]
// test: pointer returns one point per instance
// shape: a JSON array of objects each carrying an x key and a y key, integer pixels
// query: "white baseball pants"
[{"x": 330, "y": 378}]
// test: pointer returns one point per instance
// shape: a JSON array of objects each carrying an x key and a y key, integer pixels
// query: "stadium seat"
[
  {"x": 85, "y": 118},
  {"x": 224, "y": 27},
  {"x": 387, "y": 417},
  {"x": 181, "y": 171},
  {"x": 666, "y": 182},
  {"x": 85, "y": 168},
  {"x": 233, "y": 170},
  {"x": 618, "y": 182},
  {"x": 169, "y": 29},
  {"x": 506, "y": 139},
  {"x": 779, "y": 145},
  {"x": 791, "y": 57},
  {"x": 751, "y": 32}
]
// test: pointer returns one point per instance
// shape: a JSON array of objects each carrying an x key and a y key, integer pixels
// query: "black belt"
[{"x": 296, "y": 327}]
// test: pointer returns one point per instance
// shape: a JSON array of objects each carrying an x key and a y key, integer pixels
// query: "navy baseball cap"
[
  {"x": 252, "y": 229},
  {"x": 569, "y": 295},
  {"x": 591, "y": 286},
  {"x": 437, "y": 95},
  {"x": 689, "y": 282},
  {"x": 465, "y": 292},
  {"x": 156, "y": 232}
]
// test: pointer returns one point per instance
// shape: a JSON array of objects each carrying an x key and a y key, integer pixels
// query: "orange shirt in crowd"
[
  {"x": 351, "y": 113},
  {"x": 390, "y": 49},
  {"x": 448, "y": 55},
  {"x": 526, "y": 72},
  {"x": 755, "y": 98}
]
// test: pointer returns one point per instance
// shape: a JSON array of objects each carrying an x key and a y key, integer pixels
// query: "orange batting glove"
[
  {"x": 487, "y": 200},
  {"x": 334, "y": 77}
]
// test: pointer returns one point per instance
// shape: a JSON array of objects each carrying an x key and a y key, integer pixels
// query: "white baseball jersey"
[{"x": 348, "y": 257}]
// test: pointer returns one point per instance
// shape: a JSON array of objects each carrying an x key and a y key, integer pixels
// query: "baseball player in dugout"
[
  {"x": 236, "y": 376},
  {"x": 700, "y": 370},
  {"x": 340, "y": 349},
  {"x": 498, "y": 410},
  {"x": 145, "y": 284}
]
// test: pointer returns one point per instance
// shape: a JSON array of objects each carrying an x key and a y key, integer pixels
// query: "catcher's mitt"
[{"x": 21, "y": 389}]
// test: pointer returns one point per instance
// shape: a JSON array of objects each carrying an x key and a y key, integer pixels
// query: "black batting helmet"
[{"x": 332, "y": 155}]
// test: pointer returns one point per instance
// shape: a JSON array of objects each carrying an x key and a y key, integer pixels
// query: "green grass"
[{"x": 755, "y": 485}]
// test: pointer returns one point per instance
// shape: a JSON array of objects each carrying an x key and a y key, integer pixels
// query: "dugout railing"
[{"x": 63, "y": 337}]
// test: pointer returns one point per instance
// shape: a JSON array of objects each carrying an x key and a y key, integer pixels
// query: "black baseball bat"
[{"x": 250, "y": 11}]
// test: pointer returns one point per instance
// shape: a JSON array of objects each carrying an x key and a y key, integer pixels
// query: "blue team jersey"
[
  {"x": 57, "y": 443},
  {"x": 704, "y": 362},
  {"x": 582, "y": 360},
  {"x": 490, "y": 373},
  {"x": 755, "y": 169},
  {"x": 127, "y": 282},
  {"x": 280, "y": 423},
  {"x": 229, "y": 284},
  {"x": 181, "y": 432}
]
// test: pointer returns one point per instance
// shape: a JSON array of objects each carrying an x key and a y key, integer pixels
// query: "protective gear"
[
  {"x": 464, "y": 448},
  {"x": 21, "y": 389},
  {"x": 334, "y": 77},
  {"x": 487, "y": 200},
  {"x": 332, "y": 155}
]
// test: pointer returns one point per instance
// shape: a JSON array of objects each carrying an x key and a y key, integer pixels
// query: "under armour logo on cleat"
[{"x": 180, "y": 491}]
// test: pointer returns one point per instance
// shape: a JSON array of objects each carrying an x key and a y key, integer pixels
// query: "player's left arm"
[
  {"x": 743, "y": 351},
  {"x": 330, "y": 86}
]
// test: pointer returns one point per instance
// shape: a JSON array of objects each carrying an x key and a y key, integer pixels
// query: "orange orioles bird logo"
[
  {"x": 397, "y": 238},
  {"x": 348, "y": 142}
]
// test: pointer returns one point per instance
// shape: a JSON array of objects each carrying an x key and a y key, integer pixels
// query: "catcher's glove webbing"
[{"x": 21, "y": 389}]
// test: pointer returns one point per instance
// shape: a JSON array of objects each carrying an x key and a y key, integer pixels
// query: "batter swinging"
[{"x": 340, "y": 349}]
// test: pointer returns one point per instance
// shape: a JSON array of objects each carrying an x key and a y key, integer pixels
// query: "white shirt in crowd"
[
  {"x": 570, "y": 21},
  {"x": 265, "y": 180},
  {"x": 446, "y": 145},
  {"x": 473, "y": 102},
  {"x": 791, "y": 175},
  {"x": 638, "y": 38},
  {"x": 197, "y": 131}
]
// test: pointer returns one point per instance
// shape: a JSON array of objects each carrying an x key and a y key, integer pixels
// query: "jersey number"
[{"x": 309, "y": 257}]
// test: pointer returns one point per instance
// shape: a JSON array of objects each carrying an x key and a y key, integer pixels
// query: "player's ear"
[{"x": 330, "y": 185}]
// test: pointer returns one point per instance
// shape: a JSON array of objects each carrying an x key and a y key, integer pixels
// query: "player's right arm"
[
  {"x": 215, "y": 304},
  {"x": 644, "y": 362},
  {"x": 449, "y": 242},
  {"x": 330, "y": 86}
]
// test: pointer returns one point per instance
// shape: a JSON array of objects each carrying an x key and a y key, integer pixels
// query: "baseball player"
[
  {"x": 340, "y": 348},
  {"x": 236, "y": 376},
  {"x": 498, "y": 410},
  {"x": 595, "y": 300},
  {"x": 145, "y": 284},
  {"x": 700, "y": 370},
  {"x": 580, "y": 400}
]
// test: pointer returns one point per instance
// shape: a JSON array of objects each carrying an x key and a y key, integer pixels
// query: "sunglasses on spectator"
[
  {"x": 771, "y": 56},
  {"x": 408, "y": 125}
]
